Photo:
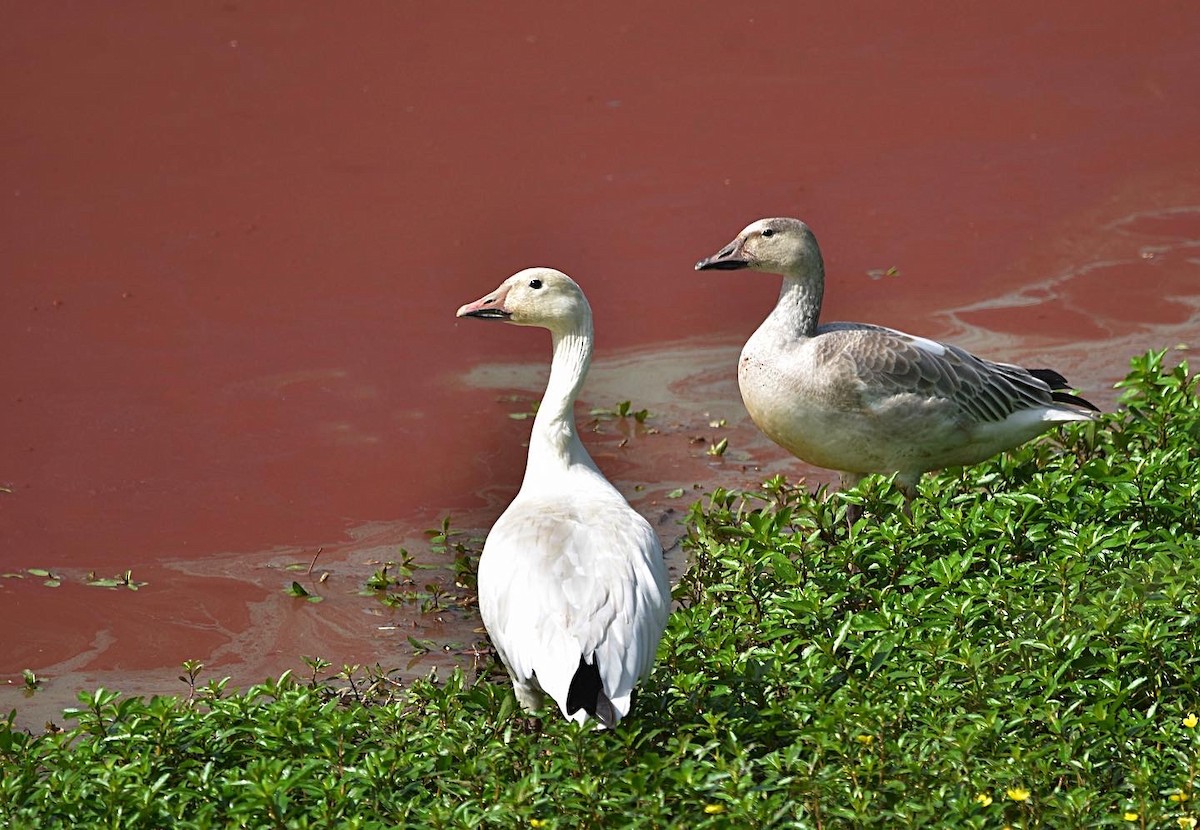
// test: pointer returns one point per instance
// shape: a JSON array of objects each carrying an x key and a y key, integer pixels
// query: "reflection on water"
[{"x": 1092, "y": 316}]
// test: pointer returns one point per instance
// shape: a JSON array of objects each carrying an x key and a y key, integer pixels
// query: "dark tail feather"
[
  {"x": 1058, "y": 384},
  {"x": 587, "y": 693}
]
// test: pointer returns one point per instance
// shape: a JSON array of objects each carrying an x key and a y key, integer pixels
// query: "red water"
[{"x": 233, "y": 238}]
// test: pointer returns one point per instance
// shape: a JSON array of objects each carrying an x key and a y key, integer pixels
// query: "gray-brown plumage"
[{"x": 860, "y": 398}]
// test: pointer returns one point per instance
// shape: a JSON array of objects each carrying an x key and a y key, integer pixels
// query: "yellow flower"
[
  {"x": 865, "y": 740},
  {"x": 537, "y": 822},
  {"x": 1018, "y": 793},
  {"x": 1130, "y": 816},
  {"x": 713, "y": 809},
  {"x": 1186, "y": 822},
  {"x": 984, "y": 799},
  {"x": 1191, "y": 720},
  {"x": 1179, "y": 797}
]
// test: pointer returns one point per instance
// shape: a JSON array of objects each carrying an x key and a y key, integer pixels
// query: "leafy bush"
[{"x": 1023, "y": 651}]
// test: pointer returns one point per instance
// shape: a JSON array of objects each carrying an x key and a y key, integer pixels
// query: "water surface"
[{"x": 233, "y": 238}]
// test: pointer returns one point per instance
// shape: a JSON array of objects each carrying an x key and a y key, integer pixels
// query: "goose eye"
[
  {"x": 535, "y": 283},
  {"x": 768, "y": 232}
]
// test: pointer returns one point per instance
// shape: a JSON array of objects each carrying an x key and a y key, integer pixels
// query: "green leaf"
[{"x": 783, "y": 567}]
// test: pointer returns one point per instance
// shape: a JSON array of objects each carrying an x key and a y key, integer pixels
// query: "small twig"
[{"x": 313, "y": 562}]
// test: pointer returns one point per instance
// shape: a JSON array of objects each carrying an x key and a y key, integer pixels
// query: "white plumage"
[
  {"x": 862, "y": 399},
  {"x": 573, "y": 588}
]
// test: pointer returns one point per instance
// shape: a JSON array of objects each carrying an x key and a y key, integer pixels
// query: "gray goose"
[{"x": 860, "y": 398}]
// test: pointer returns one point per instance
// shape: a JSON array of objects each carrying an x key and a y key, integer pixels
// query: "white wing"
[{"x": 566, "y": 577}]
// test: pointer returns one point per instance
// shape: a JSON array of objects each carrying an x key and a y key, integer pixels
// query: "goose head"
[
  {"x": 775, "y": 246},
  {"x": 534, "y": 297}
]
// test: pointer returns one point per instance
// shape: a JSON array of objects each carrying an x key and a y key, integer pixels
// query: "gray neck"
[
  {"x": 799, "y": 307},
  {"x": 554, "y": 442}
]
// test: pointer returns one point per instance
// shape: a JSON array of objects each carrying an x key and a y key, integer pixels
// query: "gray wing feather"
[{"x": 889, "y": 363}]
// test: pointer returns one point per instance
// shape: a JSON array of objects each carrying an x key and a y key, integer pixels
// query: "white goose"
[
  {"x": 573, "y": 589},
  {"x": 862, "y": 399}
]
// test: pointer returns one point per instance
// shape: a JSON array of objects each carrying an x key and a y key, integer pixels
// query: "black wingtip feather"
[
  {"x": 1050, "y": 377},
  {"x": 1073, "y": 400},
  {"x": 587, "y": 693},
  {"x": 1058, "y": 384}
]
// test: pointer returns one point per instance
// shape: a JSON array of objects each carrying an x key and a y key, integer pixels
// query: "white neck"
[{"x": 554, "y": 444}]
